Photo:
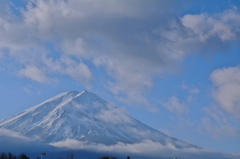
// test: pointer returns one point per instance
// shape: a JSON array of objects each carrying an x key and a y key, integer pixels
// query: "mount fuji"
[{"x": 85, "y": 117}]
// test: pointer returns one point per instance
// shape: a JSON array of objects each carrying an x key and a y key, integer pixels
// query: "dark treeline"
[
  {"x": 109, "y": 157},
  {"x": 11, "y": 156},
  {"x": 23, "y": 156}
]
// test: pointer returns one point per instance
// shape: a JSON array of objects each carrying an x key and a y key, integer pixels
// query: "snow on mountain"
[{"x": 83, "y": 116}]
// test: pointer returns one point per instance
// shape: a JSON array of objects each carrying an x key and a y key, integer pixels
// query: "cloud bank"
[
  {"x": 145, "y": 148},
  {"x": 132, "y": 46}
]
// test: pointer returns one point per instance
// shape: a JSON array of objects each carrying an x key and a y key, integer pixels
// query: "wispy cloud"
[
  {"x": 194, "y": 91},
  {"x": 9, "y": 133},
  {"x": 113, "y": 115},
  {"x": 33, "y": 73},
  {"x": 219, "y": 129},
  {"x": 175, "y": 106}
]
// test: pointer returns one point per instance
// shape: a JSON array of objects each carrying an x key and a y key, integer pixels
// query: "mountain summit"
[{"x": 83, "y": 116}]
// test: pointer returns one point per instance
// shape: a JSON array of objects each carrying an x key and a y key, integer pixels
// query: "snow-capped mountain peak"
[{"x": 83, "y": 116}]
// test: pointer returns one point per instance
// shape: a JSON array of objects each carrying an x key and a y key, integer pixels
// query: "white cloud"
[
  {"x": 227, "y": 89},
  {"x": 131, "y": 42},
  {"x": 69, "y": 66},
  {"x": 9, "y": 133},
  {"x": 33, "y": 73},
  {"x": 194, "y": 91},
  {"x": 139, "y": 132},
  {"x": 79, "y": 35},
  {"x": 76, "y": 47},
  {"x": 113, "y": 115},
  {"x": 79, "y": 71},
  {"x": 191, "y": 89},
  {"x": 146, "y": 147},
  {"x": 221, "y": 25},
  {"x": 175, "y": 106},
  {"x": 223, "y": 115}
]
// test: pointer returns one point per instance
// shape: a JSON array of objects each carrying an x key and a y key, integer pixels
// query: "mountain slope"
[{"x": 85, "y": 117}]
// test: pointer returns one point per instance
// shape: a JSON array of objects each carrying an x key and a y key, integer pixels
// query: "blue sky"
[{"x": 174, "y": 65}]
